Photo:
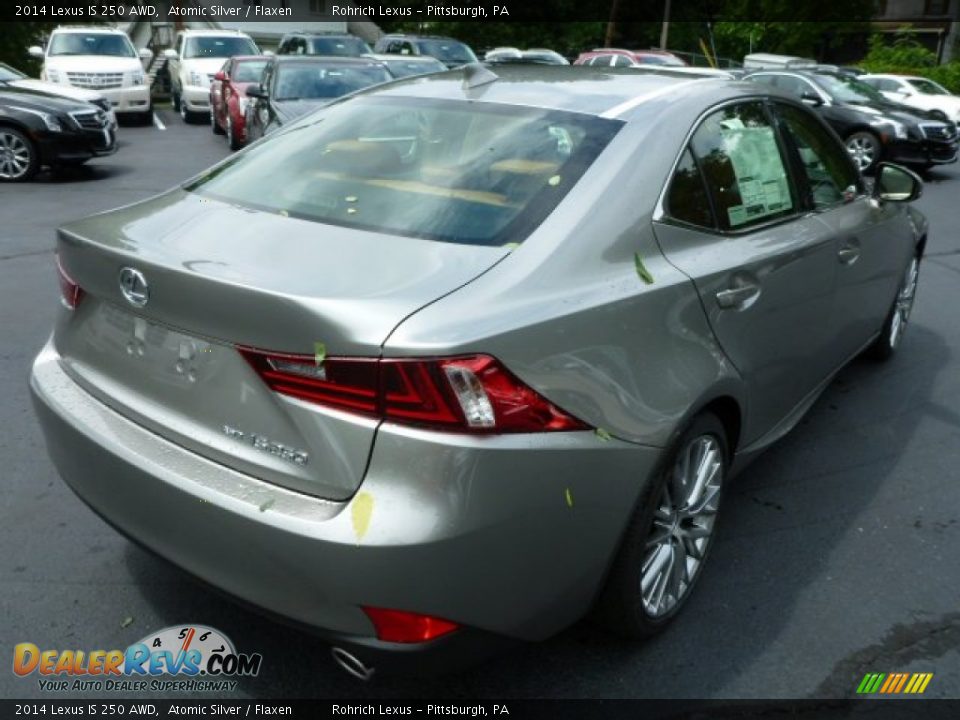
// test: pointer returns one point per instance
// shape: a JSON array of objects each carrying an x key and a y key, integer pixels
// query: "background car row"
[{"x": 221, "y": 77}]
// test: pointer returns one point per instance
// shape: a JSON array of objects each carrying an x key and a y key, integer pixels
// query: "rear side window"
[
  {"x": 830, "y": 174},
  {"x": 738, "y": 152},
  {"x": 473, "y": 173},
  {"x": 687, "y": 200}
]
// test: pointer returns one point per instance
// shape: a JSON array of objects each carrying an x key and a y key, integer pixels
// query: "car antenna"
[{"x": 475, "y": 75}]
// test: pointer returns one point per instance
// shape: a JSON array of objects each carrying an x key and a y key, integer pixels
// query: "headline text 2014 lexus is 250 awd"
[{"x": 457, "y": 359}]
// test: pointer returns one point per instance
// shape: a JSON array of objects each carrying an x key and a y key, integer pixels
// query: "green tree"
[{"x": 16, "y": 37}]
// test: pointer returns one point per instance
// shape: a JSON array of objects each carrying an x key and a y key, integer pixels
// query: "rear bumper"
[
  {"x": 509, "y": 537},
  {"x": 196, "y": 98}
]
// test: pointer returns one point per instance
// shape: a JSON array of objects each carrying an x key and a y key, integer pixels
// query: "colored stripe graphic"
[{"x": 894, "y": 683}]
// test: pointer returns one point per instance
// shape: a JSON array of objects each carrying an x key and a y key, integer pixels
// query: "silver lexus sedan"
[{"x": 460, "y": 358}]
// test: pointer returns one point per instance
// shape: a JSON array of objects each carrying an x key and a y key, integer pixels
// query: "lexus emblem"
[{"x": 134, "y": 286}]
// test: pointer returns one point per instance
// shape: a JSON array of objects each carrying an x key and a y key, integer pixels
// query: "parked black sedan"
[
  {"x": 872, "y": 127},
  {"x": 39, "y": 130},
  {"x": 293, "y": 85}
]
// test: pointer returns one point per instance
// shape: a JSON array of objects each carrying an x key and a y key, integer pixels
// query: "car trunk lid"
[{"x": 219, "y": 277}]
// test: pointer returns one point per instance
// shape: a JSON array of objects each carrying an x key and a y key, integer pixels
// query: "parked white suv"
[
  {"x": 918, "y": 92},
  {"x": 196, "y": 57},
  {"x": 101, "y": 59}
]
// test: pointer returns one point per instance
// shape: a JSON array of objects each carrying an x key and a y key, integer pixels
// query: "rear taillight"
[
  {"x": 406, "y": 627},
  {"x": 461, "y": 394},
  {"x": 70, "y": 293}
]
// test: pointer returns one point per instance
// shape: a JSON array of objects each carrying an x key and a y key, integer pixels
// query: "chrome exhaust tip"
[{"x": 352, "y": 664}]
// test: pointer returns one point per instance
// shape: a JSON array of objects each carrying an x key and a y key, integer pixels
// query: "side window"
[
  {"x": 737, "y": 149},
  {"x": 766, "y": 79},
  {"x": 284, "y": 45},
  {"x": 793, "y": 85},
  {"x": 830, "y": 174},
  {"x": 687, "y": 199},
  {"x": 621, "y": 61},
  {"x": 408, "y": 49}
]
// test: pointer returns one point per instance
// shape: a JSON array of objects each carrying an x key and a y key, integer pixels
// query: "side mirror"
[
  {"x": 896, "y": 184},
  {"x": 146, "y": 54},
  {"x": 220, "y": 75},
  {"x": 170, "y": 53},
  {"x": 256, "y": 91},
  {"x": 35, "y": 51},
  {"x": 811, "y": 99}
]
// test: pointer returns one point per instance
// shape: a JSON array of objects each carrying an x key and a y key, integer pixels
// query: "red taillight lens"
[
  {"x": 465, "y": 394},
  {"x": 70, "y": 293},
  {"x": 339, "y": 383},
  {"x": 407, "y": 627}
]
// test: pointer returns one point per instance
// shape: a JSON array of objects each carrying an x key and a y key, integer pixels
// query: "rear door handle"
[
  {"x": 737, "y": 297},
  {"x": 849, "y": 252}
]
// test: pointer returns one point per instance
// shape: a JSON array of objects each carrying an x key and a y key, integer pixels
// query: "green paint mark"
[
  {"x": 862, "y": 688},
  {"x": 127, "y": 622},
  {"x": 512, "y": 246},
  {"x": 602, "y": 434},
  {"x": 267, "y": 505},
  {"x": 319, "y": 353},
  {"x": 642, "y": 271},
  {"x": 569, "y": 497}
]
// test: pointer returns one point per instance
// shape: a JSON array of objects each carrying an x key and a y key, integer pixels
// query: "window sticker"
[{"x": 760, "y": 176}]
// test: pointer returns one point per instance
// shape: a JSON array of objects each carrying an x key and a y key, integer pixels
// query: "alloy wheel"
[
  {"x": 904, "y": 303},
  {"x": 864, "y": 149},
  {"x": 15, "y": 156},
  {"x": 683, "y": 526}
]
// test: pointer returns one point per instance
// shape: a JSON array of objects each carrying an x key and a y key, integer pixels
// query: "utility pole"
[{"x": 665, "y": 30}]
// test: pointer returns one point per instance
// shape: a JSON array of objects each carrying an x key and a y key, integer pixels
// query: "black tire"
[
  {"x": 19, "y": 159},
  {"x": 175, "y": 101},
  {"x": 865, "y": 149},
  {"x": 214, "y": 125},
  {"x": 147, "y": 117},
  {"x": 621, "y": 606},
  {"x": 895, "y": 324}
]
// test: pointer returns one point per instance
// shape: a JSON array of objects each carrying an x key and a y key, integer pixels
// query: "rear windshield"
[
  {"x": 249, "y": 70},
  {"x": 345, "y": 46},
  {"x": 473, "y": 173},
  {"x": 218, "y": 47},
  {"x": 407, "y": 68},
  {"x": 310, "y": 81},
  {"x": 448, "y": 51},
  {"x": 91, "y": 44}
]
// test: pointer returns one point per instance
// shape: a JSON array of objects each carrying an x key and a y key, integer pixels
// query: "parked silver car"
[{"x": 458, "y": 359}]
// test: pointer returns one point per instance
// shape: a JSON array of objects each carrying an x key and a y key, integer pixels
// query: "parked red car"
[
  {"x": 615, "y": 57},
  {"x": 228, "y": 96}
]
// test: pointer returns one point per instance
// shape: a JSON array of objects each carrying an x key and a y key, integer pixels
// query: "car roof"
[
  {"x": 414, "y": 36},
  {"x": 365, "y": 61},
  {"x": 214, "y": 33},
  {"x": 320, "y": 33},
  {"x": 88, "y": 29},
  {"x": 604, "y": 92},
  {"x": 422, "y": 59}
]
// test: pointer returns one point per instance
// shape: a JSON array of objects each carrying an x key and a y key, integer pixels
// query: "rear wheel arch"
[{"x": 728, "y": 411}]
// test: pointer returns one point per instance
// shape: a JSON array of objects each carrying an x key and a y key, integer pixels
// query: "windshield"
[
  {"x": 249, "y": 71},
  {"x": 312, "y": 81},
  {"x": 927, "y": 87},
  {"x": 848, "y": 89},
  {"x": 661, "y": 60},
  {"x": 8, "y": 73},
  {"x": 342, "y": 46},
  {"x": 406, "y": 68},
  {"x": 448, "y": 51},
  {"x": 91, "y": 44},
  {"x": 472, "y": 173},
  {"x": 218, "y": 47}
]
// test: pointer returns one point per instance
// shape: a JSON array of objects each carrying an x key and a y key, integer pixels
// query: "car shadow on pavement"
[
  {"x": 81, "y": 174},
  {"x": 782, "y": 519}
]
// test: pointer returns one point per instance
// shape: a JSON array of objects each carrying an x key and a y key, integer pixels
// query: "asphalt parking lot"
[{"x": 837, "y": 553}]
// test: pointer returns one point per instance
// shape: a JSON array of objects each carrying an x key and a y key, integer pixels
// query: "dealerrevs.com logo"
[{"x": 200, "y": 657}]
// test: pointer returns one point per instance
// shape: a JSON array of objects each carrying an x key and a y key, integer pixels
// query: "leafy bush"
[{"x": 908, "y": 57}]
